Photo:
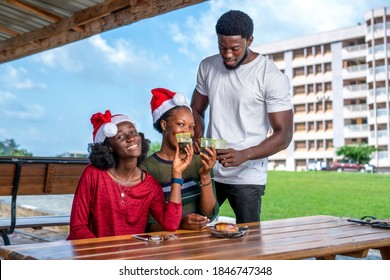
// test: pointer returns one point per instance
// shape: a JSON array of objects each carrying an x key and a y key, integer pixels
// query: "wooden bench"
[{"x": 36, "y": 176}]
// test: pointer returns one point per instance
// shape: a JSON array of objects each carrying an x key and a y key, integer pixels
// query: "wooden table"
[{"x": 322, "y": 237}]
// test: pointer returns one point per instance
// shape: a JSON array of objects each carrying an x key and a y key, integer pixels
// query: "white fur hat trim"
[
  {"x": 110, "y": 129},
  {"x": 177, "y": 100}
]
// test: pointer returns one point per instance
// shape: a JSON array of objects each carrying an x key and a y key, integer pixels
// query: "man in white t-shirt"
[{"x": 248, "y": 97}]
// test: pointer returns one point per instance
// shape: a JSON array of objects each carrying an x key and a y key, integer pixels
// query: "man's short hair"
[{"x": 233, "y": 23}]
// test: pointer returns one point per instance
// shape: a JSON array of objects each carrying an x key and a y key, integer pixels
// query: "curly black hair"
[
  {"x": 165, "y": 116},
  {"x": 234, "y": 23},
  {"x": 101, "y": 156}
]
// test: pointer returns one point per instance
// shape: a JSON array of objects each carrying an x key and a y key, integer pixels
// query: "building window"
[
  {"x": 328, "y": 125},
  {"x": 309, "y": 51},
  {"x": 300, "y": 145},
  {"x": 318, "y": 68},
  {"x": 310, "y": 88},
  {"x": 319, "y": 107},
  {"x": 300, "y": 127},
  {"x": 327, "y": 48},
  {"x": 277, "y": 57},
  {"x": 310, "y": 126},
  {"x": 320, "y": 125},
  {"x": 299, "y": 71},
  {"x": 319, "y": 87},
  {"x": 298, "y": 53},
  {"x": 328, "y": 106},
  {"x": 300, "y": 108},
  {"x": 310, "y": 70},
  {"x": 328, "y": 86},
  {"x": 311, "y": 145},
  {"x": 299, "y": 90},
  {"x": 320, "y": 145},
  {"x": 310, "y": 108},
  {"x": 317, "y": 50},
  {"x": 329, "y": 144}
]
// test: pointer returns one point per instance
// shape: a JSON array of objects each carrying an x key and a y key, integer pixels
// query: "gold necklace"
[{"x": 124, "y": 192}]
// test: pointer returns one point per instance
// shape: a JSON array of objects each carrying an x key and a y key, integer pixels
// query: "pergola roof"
[{"x": 32, "y": 26}]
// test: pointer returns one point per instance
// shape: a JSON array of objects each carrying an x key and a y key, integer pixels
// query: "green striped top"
[{"x": 161, "y": 169}]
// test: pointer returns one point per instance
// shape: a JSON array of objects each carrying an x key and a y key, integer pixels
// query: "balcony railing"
[
  {"x": 358, "y": 87},
  {"x": 378, "y": 27},
  {"x": 356, "y": 48},
  {"x": 378, "y": 91},
  {"x": 357, "y": 127},
  {"x": 379, "y": 113},
  {"x": 378, "y": 48},
  {"x": 357, "y": 68},
  {"x": 379, "y": 134},
  {"x": 378, "y": 70},
  {"x": 356, "y": 108}
]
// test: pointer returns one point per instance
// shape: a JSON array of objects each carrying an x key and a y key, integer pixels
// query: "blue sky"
[{"x": 47, "y": 99}]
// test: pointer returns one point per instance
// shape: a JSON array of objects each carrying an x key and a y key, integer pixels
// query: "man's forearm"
[
  {"x": 199, "y": 125},
  {"x": 271, "y": 145}
]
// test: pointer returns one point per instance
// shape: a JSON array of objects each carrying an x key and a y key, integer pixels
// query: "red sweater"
[{"x": 97, "y": 209}]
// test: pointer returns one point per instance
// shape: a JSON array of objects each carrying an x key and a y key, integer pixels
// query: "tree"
[
  {"x": 8, "y": 147},
  {"x": 359, "y": 153},
  {"x": 154, "y": 147}
]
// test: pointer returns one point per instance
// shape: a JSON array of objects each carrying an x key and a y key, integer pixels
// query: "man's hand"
[
  {"x": 196, "y": 144},
  {"x": 231, "y": 157},
  {"x": 194, "y": 221}
]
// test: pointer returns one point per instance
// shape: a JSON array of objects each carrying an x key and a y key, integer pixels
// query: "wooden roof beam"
[{"x": 91, "y": 21}]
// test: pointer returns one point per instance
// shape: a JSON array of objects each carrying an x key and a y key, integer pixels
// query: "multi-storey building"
[{"x": 341, "y": 91}]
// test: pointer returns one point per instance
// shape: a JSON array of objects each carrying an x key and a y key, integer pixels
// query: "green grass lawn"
[{"x": 296, "y": 194}]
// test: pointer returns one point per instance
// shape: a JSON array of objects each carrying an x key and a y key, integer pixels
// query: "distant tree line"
[{"x": 8, "y": 147}]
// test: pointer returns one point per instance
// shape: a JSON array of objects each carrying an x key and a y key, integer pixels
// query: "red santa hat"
[
  {"x": 104, "y": 125},
  {"x": 164, "y": 100}
]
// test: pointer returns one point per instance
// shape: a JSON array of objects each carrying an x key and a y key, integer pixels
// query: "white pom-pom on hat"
[
  {"x": 110, "y": 129},
  {"x": 179, "y": 99}
]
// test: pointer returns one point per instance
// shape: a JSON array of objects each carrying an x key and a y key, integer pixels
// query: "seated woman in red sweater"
[{"x": 114, "y": 196}]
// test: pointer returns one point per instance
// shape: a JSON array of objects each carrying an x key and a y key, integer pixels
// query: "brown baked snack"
[{"x": 227, "y": 227}]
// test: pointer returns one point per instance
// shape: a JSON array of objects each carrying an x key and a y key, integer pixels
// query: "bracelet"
[
  {"x": 204, "y": 185},
  {"x": 179, "y": 181}
]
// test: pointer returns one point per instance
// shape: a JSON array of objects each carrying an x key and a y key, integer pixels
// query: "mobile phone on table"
[
  {"x": 144, "y": 237},
  {"x": 147, "y": 237}
]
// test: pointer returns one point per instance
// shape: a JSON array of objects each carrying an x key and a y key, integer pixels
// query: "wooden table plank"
[{"x": 297, "y": 238}]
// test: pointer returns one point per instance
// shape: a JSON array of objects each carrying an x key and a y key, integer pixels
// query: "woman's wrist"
[
  {"x": 206, "y": 184},
  {"x": 176, "y": 174},
  {"x": 205, "y": 180},
  {"x": 179, "y": 181}
]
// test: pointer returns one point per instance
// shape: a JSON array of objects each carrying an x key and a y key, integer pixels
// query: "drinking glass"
[
  {"x": 183, "y": 139},
  {"x": 205, "y": 143}
]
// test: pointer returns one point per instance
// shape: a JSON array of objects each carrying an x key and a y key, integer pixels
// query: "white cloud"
[
  {"x": 32, "y": 112},
  {"x": 274, "y": 20},
  {"x": 11, "y": 108},
  {"x": 123, "y": 53},
  {"x": 60, "y": 57},
  {"x": 6, "y": 97},
  {"x": 17, "y": 77}
]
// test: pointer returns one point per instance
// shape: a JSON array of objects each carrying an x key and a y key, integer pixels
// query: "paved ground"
[{"x": 61, "y": 205}]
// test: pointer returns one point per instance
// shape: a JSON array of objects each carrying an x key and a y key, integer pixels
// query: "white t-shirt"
[{"x": 239, "y": 102}]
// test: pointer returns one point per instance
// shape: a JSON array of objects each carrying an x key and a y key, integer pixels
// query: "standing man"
[{"x": 248, "y": 97}]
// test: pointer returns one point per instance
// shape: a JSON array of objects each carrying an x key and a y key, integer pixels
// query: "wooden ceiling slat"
[
  {"x": 9, "y": 31},
  {"x": 85, "y": 23},
  {"x": 35, "y": 10}
]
